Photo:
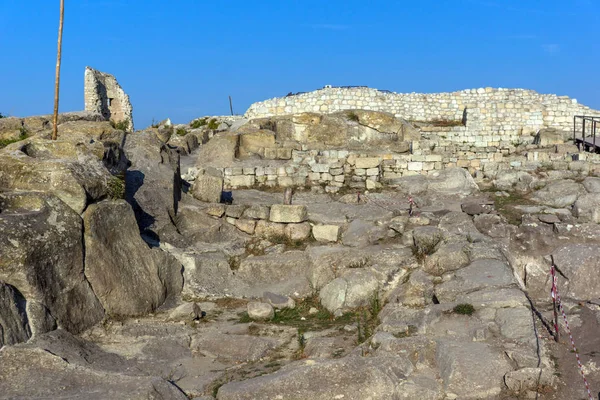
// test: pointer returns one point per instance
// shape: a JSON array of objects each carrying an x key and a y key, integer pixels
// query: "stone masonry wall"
[
  {"x": 104, "y": 95},
  {"x": 491, "y": 115}
]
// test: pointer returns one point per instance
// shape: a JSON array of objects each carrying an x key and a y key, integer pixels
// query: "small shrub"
[
  {"x": 352, "y": 116},
  {"x": 181, "y": 131},
  {"x": 464, "y": 309},
  {"x": 198, "y": 123},
  {"x": 2, "y": 115},
  {"x": 426, "y": 248},
  {"x": 121, "y": 125},
  {"x": 116, "y": 188},
  {"x": 155, "y": 124},
  {"x": 213, "y": 124}
]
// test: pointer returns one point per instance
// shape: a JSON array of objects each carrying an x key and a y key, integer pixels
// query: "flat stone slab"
[{"x": 288, "y": 213}]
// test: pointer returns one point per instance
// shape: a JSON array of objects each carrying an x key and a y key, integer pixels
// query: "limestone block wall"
[
  {"x": 104, "y": 95},
  {"x": 491, "y": 115}
]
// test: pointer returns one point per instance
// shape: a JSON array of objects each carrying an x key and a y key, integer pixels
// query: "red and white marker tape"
[{"x": 556, "y": 297}]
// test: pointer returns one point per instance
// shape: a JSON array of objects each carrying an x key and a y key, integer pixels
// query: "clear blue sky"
[{"x": 182, "y": 58}]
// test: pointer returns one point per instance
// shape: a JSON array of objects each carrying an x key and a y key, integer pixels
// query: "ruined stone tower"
[{"x": 104, "y": 95}]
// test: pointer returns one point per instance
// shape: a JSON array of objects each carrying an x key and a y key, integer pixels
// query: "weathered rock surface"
[
  {"x": 66, "y": 368},
  {"x": 14, "y": 327},
  {"x": 347, "y": 378},
  {"x": 73, "y": 173},
  {"x": 579, "y": 263},
  {"x": 128, "y": 277},
  {"x": 48, "y": 273},
  {"x": 471, "y": 370},
  {"x": 153, "y": 185}
]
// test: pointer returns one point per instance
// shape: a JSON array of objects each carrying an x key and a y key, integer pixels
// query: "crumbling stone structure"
[{"x": 104, "y": 95}]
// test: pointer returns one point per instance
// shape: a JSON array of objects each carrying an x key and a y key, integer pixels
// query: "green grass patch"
[
  {"x": 198, "y": 123},
  {"x": 181, "y": 131},
  {"x": 213, "y": 124},
  {"x": 352, "y": 116},
  {"x": 24, "y": 134},
  {"x": 505, "y": 205},
  {"x": 464, "y": 309},
  {"x": 121, "y": 125}
]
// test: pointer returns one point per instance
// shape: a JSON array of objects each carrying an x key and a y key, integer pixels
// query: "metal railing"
[{"x": 587, "y": 124}]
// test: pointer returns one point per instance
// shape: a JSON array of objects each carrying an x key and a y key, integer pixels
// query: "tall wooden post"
[
  {"x": 230, "y": 105},
  {"x": 57, "y": 83}
]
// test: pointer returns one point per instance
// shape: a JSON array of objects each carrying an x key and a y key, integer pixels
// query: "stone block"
[
  {"x": 246, "y": 225},
  {"x": 320, "y": 168},
  {"x": 288, "y": 213},
  {"x": 268, "y": 229},
  {"x": 235, "y": 211},
  {"x": 326, "y": 233},
  {"x": 241, "y": 181},
  {"x": 298, "y": 232},
  {"x": 208, "y": 188},
  {"x": 216, "y": 210},
  {"x": 415, "y": 166},
  {"x": 368, "y": 162},
  {"x": 284, "y": 153},
  {"x": 256, "y": 212},
  {"x": 372, "y": 171}
]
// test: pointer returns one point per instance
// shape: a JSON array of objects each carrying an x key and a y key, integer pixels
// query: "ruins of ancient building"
[{"x": 104, "y": 95}]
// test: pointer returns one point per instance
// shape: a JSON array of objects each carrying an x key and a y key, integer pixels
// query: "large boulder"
[
  {"x": 587, "y": 208},
  {"x": 74, "y": 173},
  {"x": 208, "y": 187},
  {"x": 220, "y": 151},
  {"x": 579, "y": 264},
  {"x": 128, "y": 277},
  {"x": 153, "y": 184},
  {"x": 452, "y": 181},
  {"x": 559, "y": 194},
  {"x": 41, "y": 257}
]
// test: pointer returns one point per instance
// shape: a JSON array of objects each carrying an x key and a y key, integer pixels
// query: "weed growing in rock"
[
  {"x": 505, "y": 205},
  {"x": 116, "y": 188},
  {"x": 121, "y": 125},
  {"x": 24, "y": 134},
  {"x": 425, "y": 247},
  {"x": 181, "y": 131},
  {"x": 352, "y": 116},
  {"x": 464, "y": 309},
  {"x": 213, "y": 124},
  {"x": 198, "y": 123},
  {"x": 367, "y": 319}
]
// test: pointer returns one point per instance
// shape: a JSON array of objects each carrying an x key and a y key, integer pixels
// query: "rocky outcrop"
[
  {"x": 73, "y": 172},
  {"x": 153, "y": 184},
  {"x": 128, "y": 277},
  {"x": 41, "y": 257}
]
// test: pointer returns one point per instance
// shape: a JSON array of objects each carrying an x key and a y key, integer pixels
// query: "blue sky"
[{"x": 182, "y": 58}]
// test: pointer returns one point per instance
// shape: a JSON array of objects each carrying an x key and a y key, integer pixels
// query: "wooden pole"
[
  {"x": 57, "y": 82},
  {"x": 230, "y": 105}
]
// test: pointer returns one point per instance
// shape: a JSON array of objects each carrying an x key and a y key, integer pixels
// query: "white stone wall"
[{"x": 492, "y": 115}]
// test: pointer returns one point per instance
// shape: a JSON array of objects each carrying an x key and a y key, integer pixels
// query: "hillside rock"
[
  {"x": 351, "y": 378},
  {"x": 41, "y": 256},
  {"x": 128, "y": 277},
  {"x": 74, "y": 173}
]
